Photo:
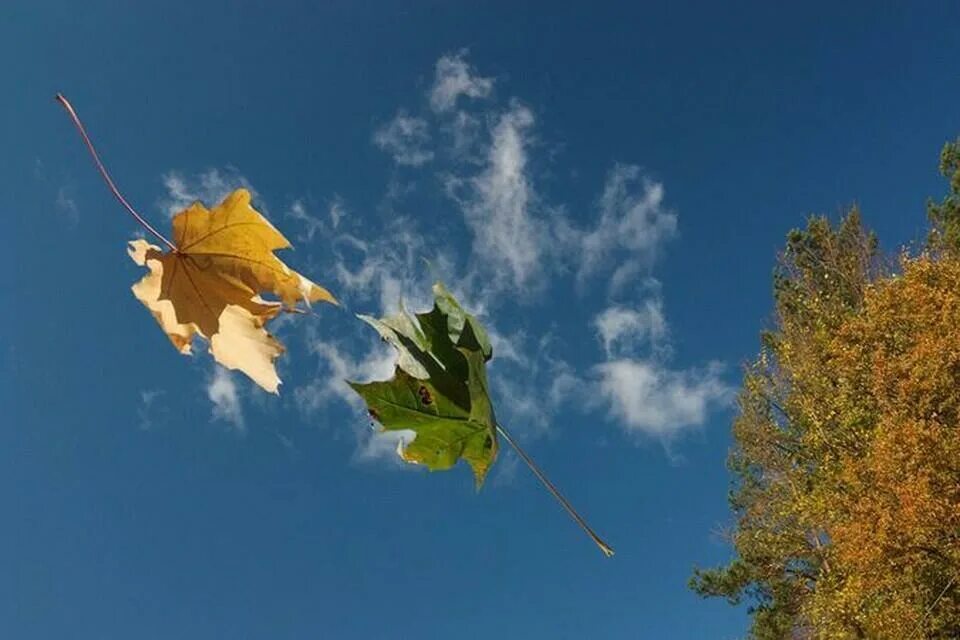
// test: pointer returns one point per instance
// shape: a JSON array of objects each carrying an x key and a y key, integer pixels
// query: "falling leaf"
[
  {"x": 439, "y": 388},
  {"x": 210, "y": 285}
]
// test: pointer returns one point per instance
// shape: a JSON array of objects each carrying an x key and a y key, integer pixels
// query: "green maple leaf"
[
  {"x": 439, "y": 391},
  {"x": 439, "y": 388}
]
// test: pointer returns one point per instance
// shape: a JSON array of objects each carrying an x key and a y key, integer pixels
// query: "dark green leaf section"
[{"x": 439, "y": 389}]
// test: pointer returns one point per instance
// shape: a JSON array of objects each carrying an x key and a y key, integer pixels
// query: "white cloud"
[
  {"x": 464, "y": 131},
  {"x": 635, "y": 382},
  {"x": 68, "y": 205},
  {"x": 454, "y": 78},
  {"x": 521, "y": 404},
  {"x": 623, "y": 329},
  {"x": 377, "y": 445},
  {"x": 564, "y": 386},
  {"x": 507, "y": 348},
  {"x": 651, "y": 399},
  {"x": 336, "y": 367},
  {"x": 64, "y": 201},
  {"x": 508, "y": 239},
  {"x": 223, "y": 393},
  {"x": 387, "y": 269},
  {"x": 145, "y": 410},
  {"x": 310, "y": 223},
  {"x": 406, "y": 138},
  {"x": 529, "y": 381},
  {"x": 633, "y": 226},
  {"x": 209, "y": 187},
  {"x": 626, "y": 272},
  {"x": 521, "y": 239},
  {"x": 336, "y": 211},
  {"x": 395, "y": 264}
]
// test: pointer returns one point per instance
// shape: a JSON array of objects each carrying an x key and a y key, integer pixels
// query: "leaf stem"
[
  {"x": 106, "y": 176},
  {"x": 604, "y": 547}
]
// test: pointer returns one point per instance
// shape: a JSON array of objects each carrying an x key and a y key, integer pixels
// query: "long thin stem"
[
  {"x": 604, "y": 547},
  {"x": 106, "y": 176}
]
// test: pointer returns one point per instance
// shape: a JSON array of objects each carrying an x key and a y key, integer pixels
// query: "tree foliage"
[
  {"x": 945, "y": 215},
  {"x": 847, "y": 441}
]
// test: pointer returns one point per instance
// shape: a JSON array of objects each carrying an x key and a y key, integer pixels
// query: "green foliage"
[
  {"x": 781, "y": 445},
  {"x": 821, "y": 271},
  {"x": 439, "y": 388},
  {"x": 945, "y": 215}
]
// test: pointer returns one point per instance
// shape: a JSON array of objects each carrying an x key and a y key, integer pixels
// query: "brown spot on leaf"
[{"x": 425, "y": 396}]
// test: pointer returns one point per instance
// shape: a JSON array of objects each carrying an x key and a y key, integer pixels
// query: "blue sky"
[{"x": 606, "y": 187}]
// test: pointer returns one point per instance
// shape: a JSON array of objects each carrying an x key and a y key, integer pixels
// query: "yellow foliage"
[{"x": 895, "y": 517}]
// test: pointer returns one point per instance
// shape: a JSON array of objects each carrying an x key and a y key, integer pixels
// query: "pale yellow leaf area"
[{"x": 211, "y": 285}]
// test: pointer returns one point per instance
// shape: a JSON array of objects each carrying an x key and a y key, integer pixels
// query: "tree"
[
  {"x": 945, "y": 215},
  {"x": 847, "y": 441}
]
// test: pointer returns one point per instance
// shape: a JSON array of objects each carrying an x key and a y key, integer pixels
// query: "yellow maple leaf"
[{"x": 210, "y": 285}]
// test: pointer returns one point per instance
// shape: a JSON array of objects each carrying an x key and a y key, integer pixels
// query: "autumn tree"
[{"x": 847, "y": 441}]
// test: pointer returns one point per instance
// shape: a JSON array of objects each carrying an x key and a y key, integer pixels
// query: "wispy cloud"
[
  {"x": 223, "y": 393},
  {"x": 336, "y": 211},
  {"x": 335, "y": 367},
  {"x": 522, "y": 243},
  {"x": 406, "y": 138},
  {"x": 309, "y": 223},
  {"x": 519, "y": 238},
  {"x": 454, "y": 78},
  {"x": 623, "y": 329},
  {"x": 146, "y": 418},
  {"x": 313, "y": 221},
  {"x": 67, "y": 205},
  {"x": 632, "y": 229},
  {"x": 484, "y": 155},
  {"x": 64, "y": 201},
  {"x": 464, "y": 131},
  {"x": 209, "y": 187},
  {"x": 508, "y": 238}
]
